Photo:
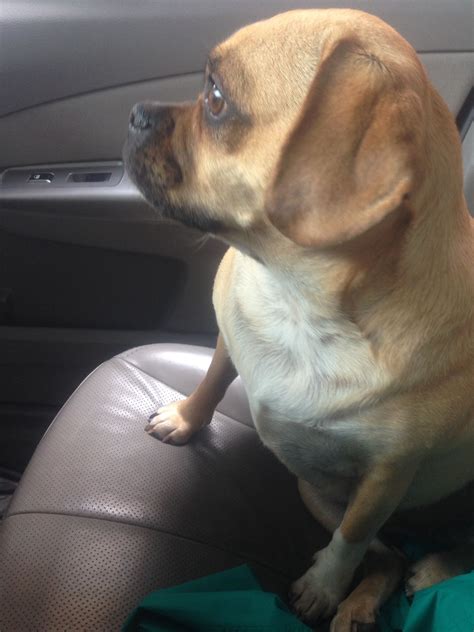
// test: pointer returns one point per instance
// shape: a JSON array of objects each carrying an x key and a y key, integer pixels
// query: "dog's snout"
[
  {"x": 140, "y": 117},
  {"x": 147, "y": 116}
]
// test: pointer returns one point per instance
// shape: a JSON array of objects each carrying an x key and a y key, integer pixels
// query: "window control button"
[{"x": 41, "y": 176}]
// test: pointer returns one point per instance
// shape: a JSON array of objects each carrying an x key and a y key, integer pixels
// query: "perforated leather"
[{"x": 106, "y": 513}]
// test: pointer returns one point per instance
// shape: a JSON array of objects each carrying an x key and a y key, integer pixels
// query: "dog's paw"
[
  {"x": 355, "y": 615},
  {"x": 431, "y": 569},
  {"x": 177, "y": 422},
  {"x": 319, "y": 591}
]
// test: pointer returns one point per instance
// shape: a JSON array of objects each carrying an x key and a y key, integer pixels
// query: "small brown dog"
[{"x": 322, "y": 154}]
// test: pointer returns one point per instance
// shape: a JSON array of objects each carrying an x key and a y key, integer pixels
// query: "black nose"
[
  {"x": 151, "y": 116},
  {"x": 140, "y": 117}
]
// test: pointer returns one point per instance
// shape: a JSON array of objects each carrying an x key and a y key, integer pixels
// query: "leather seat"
[{"x": 105, "y": 513}]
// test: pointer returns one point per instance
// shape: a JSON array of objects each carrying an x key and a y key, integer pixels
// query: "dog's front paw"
[
  {"x": 319, "y": 591},
  {"x": 177, "y": 422},
  {"x": 356, "y": 615}
]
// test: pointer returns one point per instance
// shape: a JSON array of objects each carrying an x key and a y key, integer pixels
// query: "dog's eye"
[{"x": 215, "y": 102}]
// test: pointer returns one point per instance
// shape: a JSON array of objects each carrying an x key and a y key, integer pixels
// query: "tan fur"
[{"x": 346, "y": 301}]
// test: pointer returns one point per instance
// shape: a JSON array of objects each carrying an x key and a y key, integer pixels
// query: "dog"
[{"x": 321, "y": 153}]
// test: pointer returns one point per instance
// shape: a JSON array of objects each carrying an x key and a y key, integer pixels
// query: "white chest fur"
[{"x": 307, "y": 370}]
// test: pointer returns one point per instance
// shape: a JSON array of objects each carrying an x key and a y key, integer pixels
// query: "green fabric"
[
  {"x": 231, "y": 601},
  {"x": 444, "y": 607}
]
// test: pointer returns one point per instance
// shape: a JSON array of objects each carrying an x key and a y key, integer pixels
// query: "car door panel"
[{"x": 52, "y": 49}]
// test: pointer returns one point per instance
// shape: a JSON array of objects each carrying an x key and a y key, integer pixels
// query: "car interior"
[{"x": 106, "y": 313}]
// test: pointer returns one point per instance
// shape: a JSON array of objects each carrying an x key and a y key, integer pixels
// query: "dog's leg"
[
  {"x": 436, "y": 567},
  {"x": 177, "y": 422},
  {"x": 320, "y": 590},
  {"x": 383, "y": 570},
  {"x": 323, "y": 510}
]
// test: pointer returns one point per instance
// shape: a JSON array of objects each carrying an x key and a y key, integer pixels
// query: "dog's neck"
[
  {"x": 390, "y": 281},
  {"x": 426, "y": 245}
]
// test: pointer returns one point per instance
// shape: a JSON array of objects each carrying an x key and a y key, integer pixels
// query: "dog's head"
[{"x": 311, "y": 122}]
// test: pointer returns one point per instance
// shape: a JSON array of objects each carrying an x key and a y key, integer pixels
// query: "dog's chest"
[{"x": 305, "y": 371}]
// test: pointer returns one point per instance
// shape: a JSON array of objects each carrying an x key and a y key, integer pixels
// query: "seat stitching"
[
  {"x": 156, "y": 530},
  {"x": 160, "y": 381},
  {"x": 130, "y": 364},
  {"x": 131, "y": 352}
]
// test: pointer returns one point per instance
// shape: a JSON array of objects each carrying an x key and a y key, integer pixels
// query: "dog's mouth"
[{"x": 154, "y": 176}]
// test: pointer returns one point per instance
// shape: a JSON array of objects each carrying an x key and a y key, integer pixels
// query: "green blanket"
[
  {"x": 445, "y": 607},
  {"x": 233, "y": 601}
]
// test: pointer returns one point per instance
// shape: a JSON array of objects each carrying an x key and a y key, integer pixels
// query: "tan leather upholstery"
[{"x": 105, "y": 513}]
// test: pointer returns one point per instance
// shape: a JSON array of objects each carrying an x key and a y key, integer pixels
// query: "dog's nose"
[
  {"x": 140, "y": 117},
  {"x": 151, "y": 116}
]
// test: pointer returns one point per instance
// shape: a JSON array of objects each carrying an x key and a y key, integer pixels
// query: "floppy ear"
[{"x": 351, "y": 158}]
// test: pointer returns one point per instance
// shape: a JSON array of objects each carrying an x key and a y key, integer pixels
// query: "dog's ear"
[{"x": 352, "y": 156}]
